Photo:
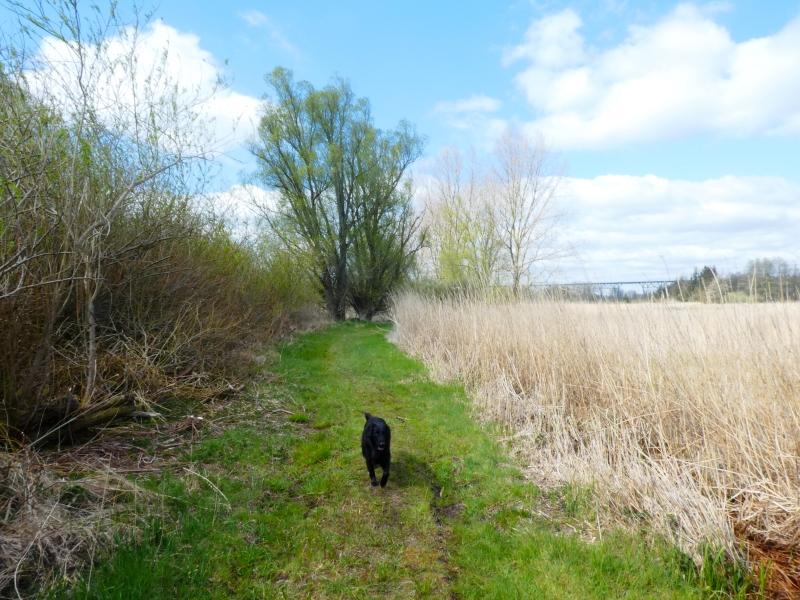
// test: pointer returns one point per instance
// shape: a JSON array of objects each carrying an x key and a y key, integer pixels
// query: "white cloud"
[
  {"x": 163, "y": 61},
  {"x": 257, "y": 19},
  {"x": 680, "y": 76},
  {"x": 628, "y": 227},
  {"x": 552, "y": 42},
  {"x": 473, "y": 117},
  {"x": 254, "y": 18},
  {"x": 239, "y": 203},
  {"x": 476, "y": 103},
  {"x": 635, "y": 228}
]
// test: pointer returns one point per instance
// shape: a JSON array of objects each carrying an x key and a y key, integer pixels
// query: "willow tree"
[{"x": 321, "y": 152}]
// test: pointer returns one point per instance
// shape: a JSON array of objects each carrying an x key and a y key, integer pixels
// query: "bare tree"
[
  {"x": 526, "y": 183},
  {"x": 462, "y": 223}
]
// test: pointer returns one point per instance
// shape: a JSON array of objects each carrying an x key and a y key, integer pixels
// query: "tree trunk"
[
  {"x": 342, "y": 290},
  {"x": 335, "y": 297},
  {"x": 342, "y": 284},
  {"x": 330, "y": 297},
  {"x": 340, "y": 314}
]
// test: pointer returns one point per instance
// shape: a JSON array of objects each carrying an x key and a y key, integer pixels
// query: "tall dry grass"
[{"x": 686, "y": 415}]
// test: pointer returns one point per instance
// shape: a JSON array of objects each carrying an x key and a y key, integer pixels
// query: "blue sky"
[
  {"x": 407, "y": 57},
  {"x": 678, "y": 124}
]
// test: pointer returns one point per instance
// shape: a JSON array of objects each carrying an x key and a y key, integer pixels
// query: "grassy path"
[{"x": 299, "y": 518}]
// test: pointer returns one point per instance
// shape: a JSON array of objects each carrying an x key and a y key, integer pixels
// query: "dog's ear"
[{"x": 367, "y": 416}]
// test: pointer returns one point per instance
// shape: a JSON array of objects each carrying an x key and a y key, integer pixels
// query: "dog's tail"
[{"x": 367, "y": 416}]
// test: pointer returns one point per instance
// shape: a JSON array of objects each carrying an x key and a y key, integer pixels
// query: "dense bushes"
[{"x": 117, "y": 290}]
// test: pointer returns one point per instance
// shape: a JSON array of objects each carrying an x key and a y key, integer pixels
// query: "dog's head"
[{"x": 378, "y": 432}]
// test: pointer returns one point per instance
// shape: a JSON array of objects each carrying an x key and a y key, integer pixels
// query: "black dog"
[{"x": 375, "y": 442}]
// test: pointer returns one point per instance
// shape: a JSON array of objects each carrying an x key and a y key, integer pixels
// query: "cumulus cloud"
[
  {"x": 132, "y": 72},
  {"x": 630, "y": 227},
  {"x": 633, "y": 228},
  {"x": 552, "y": 42},
  {"x": 680, "y": 76},
  {"x": 241, "y": 206}
]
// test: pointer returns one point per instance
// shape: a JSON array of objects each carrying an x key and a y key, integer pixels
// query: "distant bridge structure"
[{"x": 604, "y": 289}]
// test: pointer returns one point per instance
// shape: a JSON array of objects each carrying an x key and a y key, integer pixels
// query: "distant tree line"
[{"x": 762, "y": 280}]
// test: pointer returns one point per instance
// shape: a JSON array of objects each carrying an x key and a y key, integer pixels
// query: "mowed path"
[{"x": 300, "y": 520}]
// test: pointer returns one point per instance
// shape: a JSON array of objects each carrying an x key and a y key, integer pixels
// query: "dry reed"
[
  {"x": 686, "y": 415},
  {"x": 53, "y": 519}
]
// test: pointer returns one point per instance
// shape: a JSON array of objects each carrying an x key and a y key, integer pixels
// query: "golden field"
[{"x": 686, "y": 416}]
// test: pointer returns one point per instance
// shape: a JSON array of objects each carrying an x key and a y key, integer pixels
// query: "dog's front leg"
[
  {"x": 385, "y": 476},
  {"x": 371, "y": 469}
]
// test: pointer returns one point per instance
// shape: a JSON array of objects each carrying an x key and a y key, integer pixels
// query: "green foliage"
[
  {"x": 338, "y": 178},
  {"x": 289, "y": 274},
  {"x": 384, "y": 247},
  {"x": 722, "y": 578},
  {"x": 462, "y": 236},
  {"x": 464, "y": 239}
]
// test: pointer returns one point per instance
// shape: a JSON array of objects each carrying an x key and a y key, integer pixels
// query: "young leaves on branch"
[{"x": 339, "y": 179}]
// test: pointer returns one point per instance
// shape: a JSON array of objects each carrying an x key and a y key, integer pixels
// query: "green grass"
[{"x": 294, "y": 514}]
